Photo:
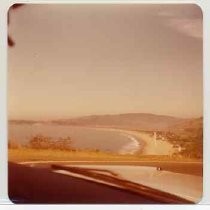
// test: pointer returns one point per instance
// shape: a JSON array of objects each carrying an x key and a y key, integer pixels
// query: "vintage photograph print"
[{"x": 105, "y": 103}]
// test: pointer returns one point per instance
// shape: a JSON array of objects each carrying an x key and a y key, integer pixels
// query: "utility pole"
[{"x": 155, "y": 138}]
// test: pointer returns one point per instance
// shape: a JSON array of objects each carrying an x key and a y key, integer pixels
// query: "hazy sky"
[{"x": 73, "y": 60}]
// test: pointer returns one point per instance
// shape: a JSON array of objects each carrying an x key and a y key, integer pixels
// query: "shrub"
[{"x": 45, "y": 142}]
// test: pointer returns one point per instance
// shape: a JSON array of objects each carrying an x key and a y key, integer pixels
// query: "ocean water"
[{"x": 82, "y": 137}]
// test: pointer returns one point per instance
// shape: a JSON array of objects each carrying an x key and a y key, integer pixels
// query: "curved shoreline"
[
  {"x": 139, "y": 142},
  {"x": 136, "y": 144},
  {"x": 132, "y": 147},
  {"x": 151, "y": 147},
  {"x": 147, "y": 146}
]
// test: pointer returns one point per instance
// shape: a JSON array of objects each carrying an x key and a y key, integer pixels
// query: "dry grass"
[{"x": 28, "y": 154}]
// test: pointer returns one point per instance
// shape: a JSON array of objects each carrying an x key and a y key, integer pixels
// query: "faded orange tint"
[{"x": 104, "y": 59}]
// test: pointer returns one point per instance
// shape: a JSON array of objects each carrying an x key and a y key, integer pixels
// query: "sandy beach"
[
  {"x": 150, "y": 146},
  {"x": 145, "y": 144}
]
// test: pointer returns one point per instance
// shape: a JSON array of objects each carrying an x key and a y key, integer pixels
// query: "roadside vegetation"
[
  {"x": 186, "y": 142},
  {"x": 44, "y": 148},
  {"x": 44, "y": 142}
]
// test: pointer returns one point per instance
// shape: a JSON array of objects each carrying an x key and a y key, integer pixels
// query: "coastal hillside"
[
  {"x": 189, "y": 135},
  {"x": 188, "y": 126},
  {"x": 137, "y": 121}
]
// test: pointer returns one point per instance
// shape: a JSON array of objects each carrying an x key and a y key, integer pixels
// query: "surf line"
[{"x": 130, "y": 147}]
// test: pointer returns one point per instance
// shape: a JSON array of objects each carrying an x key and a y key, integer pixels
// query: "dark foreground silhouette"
[{"x": 42, "y": 185}]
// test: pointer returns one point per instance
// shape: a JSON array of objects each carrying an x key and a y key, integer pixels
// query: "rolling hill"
[{"x": 138, "y": 121}]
